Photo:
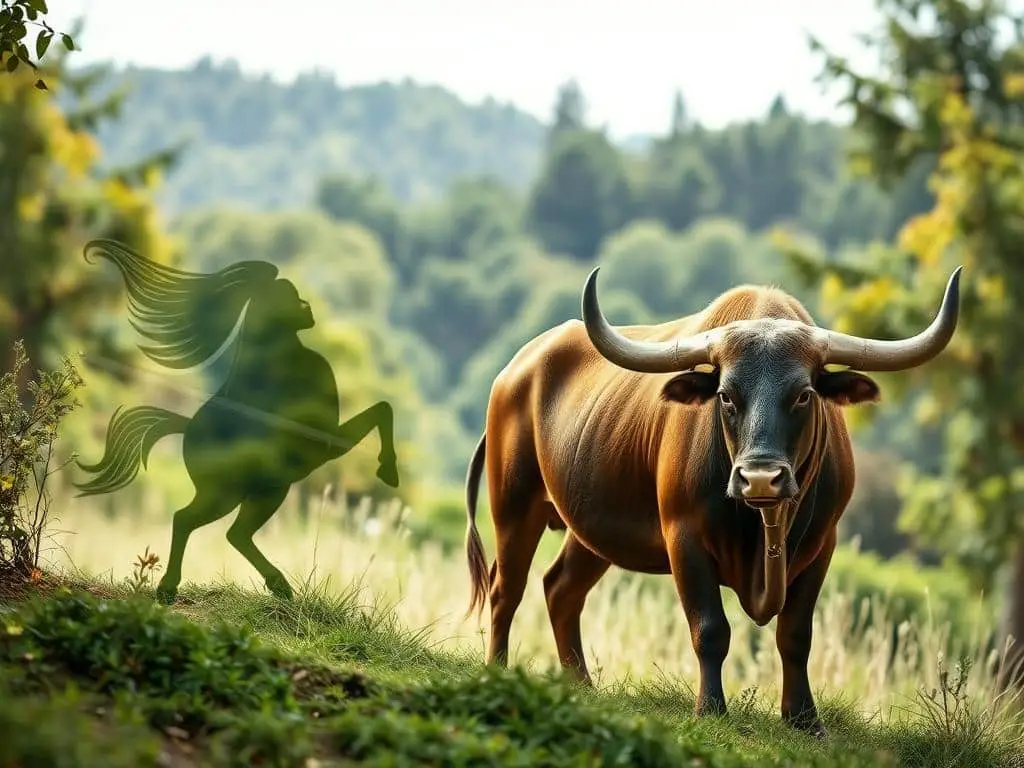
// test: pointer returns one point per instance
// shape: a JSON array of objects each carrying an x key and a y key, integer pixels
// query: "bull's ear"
[
  {"x": 847, "y": 387},
  {"x": 691, "y": 387}
]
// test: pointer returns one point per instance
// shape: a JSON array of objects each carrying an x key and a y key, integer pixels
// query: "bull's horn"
[
  {"x": 875, "y": 355},
  {"x": 642, "y": 356}
]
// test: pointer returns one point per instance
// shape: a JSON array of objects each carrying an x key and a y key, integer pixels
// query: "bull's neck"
[{"x": 770, "y": 582}]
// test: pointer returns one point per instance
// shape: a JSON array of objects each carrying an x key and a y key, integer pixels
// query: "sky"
[{"x": 729, "y": 58}]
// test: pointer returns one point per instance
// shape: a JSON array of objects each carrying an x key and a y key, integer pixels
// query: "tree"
[
  {"x": 681, "y": 184},
  {"x": 363, "y": 201},
  {"x": 680, "y": 120},
  {"x": 570, "y": 110},
  {"x": 52, "y": 199},
  {"x": 16, "y": 16},
  {"x": 954, "y": 97},
  {"x": 583, "y": 194}
]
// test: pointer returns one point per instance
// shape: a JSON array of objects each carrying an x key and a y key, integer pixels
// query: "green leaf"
[
  {"x": 38, "y": 5},
  {"x": 68, "y": 42},
  {"x": 42, "y": 43},
  {"x": 12, "y": 63}
]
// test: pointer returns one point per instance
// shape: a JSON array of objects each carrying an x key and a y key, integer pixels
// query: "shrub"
[{"x": 29, "y": 420}]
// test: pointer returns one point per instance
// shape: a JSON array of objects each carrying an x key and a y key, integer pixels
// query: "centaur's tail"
[
  {"x": 475, "y": 556},
  {"x": 130, "y": 437}
]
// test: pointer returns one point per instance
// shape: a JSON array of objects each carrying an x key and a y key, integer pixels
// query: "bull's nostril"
[{"x": 761, "y": 483}]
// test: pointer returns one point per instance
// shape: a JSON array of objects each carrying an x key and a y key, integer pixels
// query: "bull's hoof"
[
  {"x": 811, "y": 726},
  {"x": 818, "y": 730},
  {"x": 710, "y": 707},
  {"x": 280, "y": 588},
  {"x": 388, "y": 473}
]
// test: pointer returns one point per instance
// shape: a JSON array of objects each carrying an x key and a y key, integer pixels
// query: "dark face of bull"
[
  {"x": 768, "y": 384},
  {"x": 769, "y": 380}
]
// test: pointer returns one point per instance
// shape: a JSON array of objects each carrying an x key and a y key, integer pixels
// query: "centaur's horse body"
[{"x": 272, "y": 422}]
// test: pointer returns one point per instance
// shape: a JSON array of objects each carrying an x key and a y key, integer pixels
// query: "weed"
[{"x": 143, "y": 571}]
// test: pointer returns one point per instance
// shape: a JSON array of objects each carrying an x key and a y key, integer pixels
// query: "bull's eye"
[{"x": 804, "y": 398}]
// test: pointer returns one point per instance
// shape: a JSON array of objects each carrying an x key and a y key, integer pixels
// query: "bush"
[
  {"x": 29, "y": 419},
  {"x": 910, "y": 592}
]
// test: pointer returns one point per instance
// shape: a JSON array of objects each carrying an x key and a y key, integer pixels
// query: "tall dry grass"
[{"x": 633, "y": 625}]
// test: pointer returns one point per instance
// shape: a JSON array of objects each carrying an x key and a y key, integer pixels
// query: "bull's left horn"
[
  {"x": 642, "y": 356},
  {"x": 875, "y": 355}
]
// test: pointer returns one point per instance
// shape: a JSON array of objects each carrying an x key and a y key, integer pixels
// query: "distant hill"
[{"x": 264, "y": 144}]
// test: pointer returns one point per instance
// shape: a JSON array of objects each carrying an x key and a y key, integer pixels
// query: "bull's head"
[{"x": 768, "y": 375}]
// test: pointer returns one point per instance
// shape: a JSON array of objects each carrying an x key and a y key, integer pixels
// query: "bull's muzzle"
[{"x": 762, "y": 484}]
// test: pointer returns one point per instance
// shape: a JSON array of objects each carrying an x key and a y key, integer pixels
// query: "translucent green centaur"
[{"x": 272, "y": 422}]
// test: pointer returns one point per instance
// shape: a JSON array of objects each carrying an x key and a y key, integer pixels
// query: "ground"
[{"x": 95, "y": 673}]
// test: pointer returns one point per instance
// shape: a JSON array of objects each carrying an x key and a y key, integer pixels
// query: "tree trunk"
[{"x": 1012, "y": 673}]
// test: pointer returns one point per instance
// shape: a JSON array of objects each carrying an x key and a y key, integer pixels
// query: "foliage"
[
  {"x": 236, "y": 699},
  {"x": 909, "y": 594},
  {"x": 961, "y": 93},
  {"x": 15, "y": 18},
  {"x": 29, "y": 424},
  {"x": 53, "y": 199},
  {"x": 256, "y": 142}
]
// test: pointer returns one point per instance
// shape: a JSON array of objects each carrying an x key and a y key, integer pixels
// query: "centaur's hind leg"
[
  {"x": 207, "y": 507},
  {"x": 255, "y": 512},
  {"x": 381, "y": 417},
  {"x": 567, "y": 582}
]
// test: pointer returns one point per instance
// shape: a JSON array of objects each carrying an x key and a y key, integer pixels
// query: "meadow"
[{"x": 362, "y": 563}]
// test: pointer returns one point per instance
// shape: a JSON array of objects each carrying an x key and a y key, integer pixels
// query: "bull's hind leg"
[
  {"x": 255, "y": 512},
  {"x": 567, "y": 582},
  {"x": 379, "y": 416},
  {"x": 207, "y": 507},
  {"x": 517, "y": 528}
]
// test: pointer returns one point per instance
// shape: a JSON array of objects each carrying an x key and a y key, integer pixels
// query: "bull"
[{"x": 713, "y": 448}]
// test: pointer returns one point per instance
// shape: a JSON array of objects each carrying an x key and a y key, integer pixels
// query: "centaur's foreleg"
[{"x": 381, "y": 417}]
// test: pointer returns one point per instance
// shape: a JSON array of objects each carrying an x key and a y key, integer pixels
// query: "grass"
[
  {"x": 237, "y": 678},
  {"x": 376, "y": 666}
]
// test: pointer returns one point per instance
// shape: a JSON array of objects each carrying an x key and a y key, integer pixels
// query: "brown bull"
[{"x": 733, "y": 476}]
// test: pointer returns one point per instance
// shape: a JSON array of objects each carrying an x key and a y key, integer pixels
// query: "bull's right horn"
[
  {"x": 641, "y": 356},
  {"x": 875, "y": 355}
]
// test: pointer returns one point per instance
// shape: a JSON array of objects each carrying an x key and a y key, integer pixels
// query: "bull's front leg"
[
  {"x": 710, "y": 633},
  {"x": 793, "y": 639}
]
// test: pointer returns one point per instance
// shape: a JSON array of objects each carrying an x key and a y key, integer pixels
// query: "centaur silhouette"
[{"x": 273, "y": 421}]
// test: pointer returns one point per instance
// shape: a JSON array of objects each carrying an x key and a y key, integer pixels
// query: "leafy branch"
[{"x": 16, "y": 16}]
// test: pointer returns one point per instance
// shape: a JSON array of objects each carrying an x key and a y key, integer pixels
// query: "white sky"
[{"x": 729, "y": 57}]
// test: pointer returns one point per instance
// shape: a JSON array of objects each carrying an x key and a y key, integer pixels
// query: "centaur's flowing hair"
[{"x": 188, "y": 315}]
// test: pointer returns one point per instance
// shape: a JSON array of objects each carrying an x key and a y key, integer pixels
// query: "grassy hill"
[
  {"x": 102, "y": 675},
  {"x": 265, "y": 144}
]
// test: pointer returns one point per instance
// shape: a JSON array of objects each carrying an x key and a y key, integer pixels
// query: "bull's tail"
[
  {"x": 130, "y": 437},
  {"x": 475, "y": 555}
]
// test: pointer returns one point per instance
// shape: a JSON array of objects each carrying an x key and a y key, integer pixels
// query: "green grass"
[{"x": 228, "y": 677}]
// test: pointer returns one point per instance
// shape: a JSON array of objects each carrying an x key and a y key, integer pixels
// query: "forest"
[
  {"x": 457, "y": 232},
  {"x": 434, "y": 237}
]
